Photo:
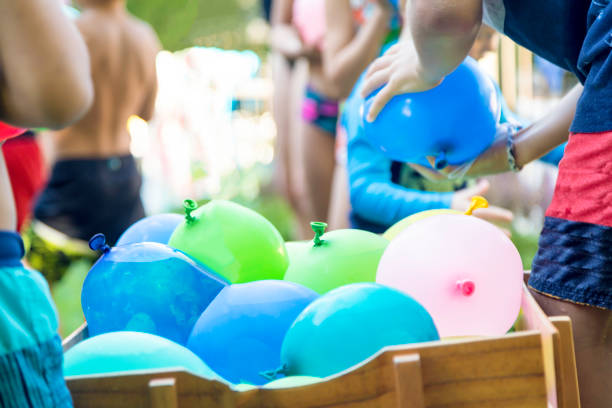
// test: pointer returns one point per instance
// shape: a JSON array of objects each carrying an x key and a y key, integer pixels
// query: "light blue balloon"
[
  {"x": 350, "y": 324},
  {"x": 240, "y": 334},
  {"x": 156, "y": 228},
  {"x": 453, "y": 122},
  {"x": 147, "y": 287},
  {"x": 128, "y": 351}
]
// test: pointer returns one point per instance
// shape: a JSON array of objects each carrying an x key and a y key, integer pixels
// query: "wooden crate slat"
[{"x": 496, "y": 390}]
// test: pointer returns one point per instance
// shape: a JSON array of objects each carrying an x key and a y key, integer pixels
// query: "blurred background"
[{"x": 213, "y": 135}]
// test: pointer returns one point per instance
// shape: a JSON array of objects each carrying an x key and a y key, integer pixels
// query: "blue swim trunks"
[{"x": 30, "y": 349}]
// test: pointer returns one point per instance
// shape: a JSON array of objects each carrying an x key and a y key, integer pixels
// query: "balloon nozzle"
[
  {"x": 273, "y": 374},
  {"x": 441, "y": 161},
  {"x": 190, "y": 206},
  {"x": 467, "y": 287},
  {"x": 477, "y": 202},
  {"x": 319, "y": 230},
  {"x": 98, "y": 243}
]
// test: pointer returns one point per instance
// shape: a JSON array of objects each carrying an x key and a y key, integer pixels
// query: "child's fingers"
[
  {"x": 380, "y": 100},
  {"x": 378, "y": 79},
  {"x": 378, "y": 64},
  {"x": 496, "y": 215}
]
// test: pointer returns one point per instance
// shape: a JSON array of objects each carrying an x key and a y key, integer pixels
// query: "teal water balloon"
[
  {"x": 146, "y": 287},
  {"x": 155, "y": 228},
  {"x": 129, "y": 351},
  {"x": 453, "y": 122},
  {"x": 350, "y": 324}
]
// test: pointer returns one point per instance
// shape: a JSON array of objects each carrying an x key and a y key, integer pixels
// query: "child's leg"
[
  {"x": 318, "y": 153},
  {"x": 320, "y": 117},
  {"x": 593, "y": 344}
]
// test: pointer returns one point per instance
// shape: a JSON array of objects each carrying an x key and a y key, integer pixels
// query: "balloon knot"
[
  {"x": 98, "y": 243},
  {"x": 467, "y": 287},
  {"x": 272, "y": 375},
  {"x": 477, "y": 202},
  {"x": 319, "y": 229},
  {"x": 441, "y": 161},
  {"x": 190, "y": 206}
]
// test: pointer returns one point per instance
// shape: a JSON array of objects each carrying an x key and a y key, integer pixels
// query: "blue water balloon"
[
  {"x": 240, "y": 334},
  {"x": 128, "y": 351},
  {"x": 453, "y": 122},
  {"x": 156, "y": 228},
  {"x": 147, "y": 287},
  {"x": 350, "y": 324}
]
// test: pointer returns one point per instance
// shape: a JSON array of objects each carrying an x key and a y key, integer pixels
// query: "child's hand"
[
  {"x": 400, "y": 69},
  {"x": 494, "y": 160},
  {"x": 501, "y": 217}
]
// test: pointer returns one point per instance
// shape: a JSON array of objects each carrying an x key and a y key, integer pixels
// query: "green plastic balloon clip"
[
  {"x": 190, "y": 206},
  {"x": 477, "y": 202},
  {"x": 467, "y": 287},
  {"x": 319, "y": 230},
  {"x": 98, "y": 243},
  {"x": 272, "y": 375},
  {"x": 441, "y": 161}
]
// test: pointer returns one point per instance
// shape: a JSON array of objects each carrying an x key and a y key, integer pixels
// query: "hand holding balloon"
[{"x": 453, "y": 122}]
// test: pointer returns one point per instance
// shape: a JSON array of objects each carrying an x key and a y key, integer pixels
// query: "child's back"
[{"x": 122, "y": 52}]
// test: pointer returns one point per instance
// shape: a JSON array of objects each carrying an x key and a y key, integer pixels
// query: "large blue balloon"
[
  {"x": 453, "y": 122},
  {"x": 156, "y": 228},
  {"x": 149, "y": 288},
  {"x": 350, "y": 324},
  {"x": 128, "y": 351},
  {"x": 240, "y": 334}
]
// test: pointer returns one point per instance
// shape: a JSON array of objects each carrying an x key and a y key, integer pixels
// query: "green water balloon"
[
  {"x": 234, "y": 241},
  {"x": 335, "y": 258}
]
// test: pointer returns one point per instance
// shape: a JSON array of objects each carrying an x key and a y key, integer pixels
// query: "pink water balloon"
[
  {"x": 309, "y": 19},
  {"x": 463, "y": 270}
]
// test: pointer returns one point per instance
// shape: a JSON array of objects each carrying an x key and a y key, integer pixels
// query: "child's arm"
[
  {"x": 8, "y": 213},
  {"x": 530, "y": 143},
  {"x": 438, "y": 36},
  {"x": 376, "y": 199},
  {"x": 347, "y": 54},
  {"x": 284, "y": 37},
  {"x": 44, "y": 64}
]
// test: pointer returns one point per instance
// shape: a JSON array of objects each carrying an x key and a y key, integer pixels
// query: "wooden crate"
[{"x": 533, "y": 367}]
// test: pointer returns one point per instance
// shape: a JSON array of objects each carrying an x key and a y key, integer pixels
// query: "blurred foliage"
[
  {"x": 527, "y": 246},
  {"x": 212, "y": 23}
]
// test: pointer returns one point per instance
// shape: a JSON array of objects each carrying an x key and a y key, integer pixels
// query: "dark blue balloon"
[
  {"x": 240, "y": 334},
  {"x": 156, "y": 228},
  {"x": 453, "y": 122},
  {"x": 147, "y": 287}
]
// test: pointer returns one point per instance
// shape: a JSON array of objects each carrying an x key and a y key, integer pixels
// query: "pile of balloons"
[{"x": 219, "y": 293}]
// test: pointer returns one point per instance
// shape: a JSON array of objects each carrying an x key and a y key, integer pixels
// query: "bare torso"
[{"x": 122, "y": 51}]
